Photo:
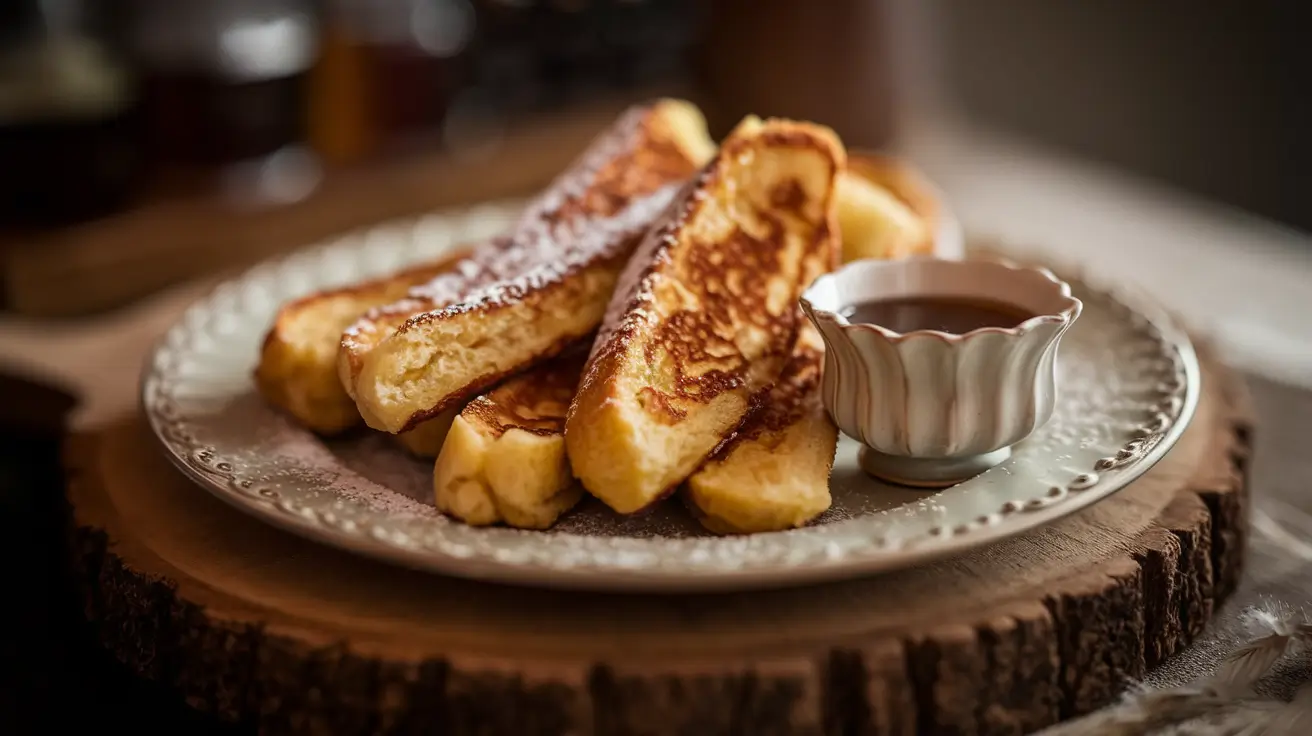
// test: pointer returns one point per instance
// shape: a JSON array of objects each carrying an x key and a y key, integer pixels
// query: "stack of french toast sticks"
[{"x": 635, "y": 334}]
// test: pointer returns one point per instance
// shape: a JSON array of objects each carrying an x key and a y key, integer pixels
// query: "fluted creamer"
[{"x": 932, "y": 408}]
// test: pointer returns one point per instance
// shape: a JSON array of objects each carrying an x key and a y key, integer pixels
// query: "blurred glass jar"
[
  {"x": 67, "y": 113},
  {"x": 387, "y": 74},
  {"x": 225, "y": 85},
  {"x": 830, "y": 62}
]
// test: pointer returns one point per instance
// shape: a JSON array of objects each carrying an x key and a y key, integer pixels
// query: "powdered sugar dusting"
[
  {"x": 561, "y": 254},
  {"x": 591, "y": 213},
  {"x": 377, "y": 458},
  {"x": 365, "y": 470}
]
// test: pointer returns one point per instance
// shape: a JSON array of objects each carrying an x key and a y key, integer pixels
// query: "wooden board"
[{"x": 259, "y": 626}]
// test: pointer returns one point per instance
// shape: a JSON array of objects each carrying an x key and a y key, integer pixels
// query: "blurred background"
[{"x": 144, "y": 142}]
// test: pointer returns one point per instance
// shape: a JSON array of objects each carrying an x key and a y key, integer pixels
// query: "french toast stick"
[
  {"x": 504, "y": 459},
  {"x": 545, "y": 288},
  {"x": 885, "y": 210},
  {"x": 297, "y": 371},
  {"x": 427, "y": 437},
  {"x": 773, "y": 473},
  {"x": 705, "y": 316}
]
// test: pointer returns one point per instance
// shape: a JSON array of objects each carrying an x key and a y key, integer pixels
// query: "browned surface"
[
  {"x": 254, "y": 624},
  {"x": 630, "y": 161},
  {"x": 578, "y": 231},
  {"x": 727, "y": 283},
  {"x": 391, "y": 286},
  {"x": 535, "y": 401},
  {"x": 789, "y": 399}
]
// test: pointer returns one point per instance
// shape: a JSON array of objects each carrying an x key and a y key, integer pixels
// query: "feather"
[
  {"x": 1223, "y": 699},
  {"x": 1288, "y": 719},
  {"x": 1242, "y": 668}
]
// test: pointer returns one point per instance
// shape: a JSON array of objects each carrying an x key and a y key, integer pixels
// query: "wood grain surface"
[{"x": 258, "y": 626}]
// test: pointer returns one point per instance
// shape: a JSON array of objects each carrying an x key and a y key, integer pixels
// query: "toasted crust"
[
  {"x": 773, "y": 473},
  {"x": 504, "y": 460},
  {"x": 885, "y": 209},
  {"x": 706, "y": 314},
  {"x": 535, "y": 294},
  {"x": 297, "y": 370}
]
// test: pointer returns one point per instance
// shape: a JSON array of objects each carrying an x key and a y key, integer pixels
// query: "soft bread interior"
[
  {"x": 519, "y": 479},
  {"x": 769, "y": 485},
  {"x": 452, "y": 358},
  {"x": 504, "y": 460}
]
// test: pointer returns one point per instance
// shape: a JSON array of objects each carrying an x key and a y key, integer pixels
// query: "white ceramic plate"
[{"x": 1128, "y": 382}]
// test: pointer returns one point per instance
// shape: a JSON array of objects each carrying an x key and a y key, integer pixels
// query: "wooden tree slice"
[{"x": 257, "y": 625}]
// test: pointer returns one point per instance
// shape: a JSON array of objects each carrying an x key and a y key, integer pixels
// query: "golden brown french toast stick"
[
  {"x": 705, "y": 316},
  {"x": 297, "y": 371},
  {"x": 886, "y": 209},
  {"x": 773, "y": 473},
  {"x": 504, "y": 459},
  {"x": 545, "y": 287},
  {"x": 427, "y": 438}
]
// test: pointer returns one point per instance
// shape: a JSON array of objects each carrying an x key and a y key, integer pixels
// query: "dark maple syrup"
[{"x": 952, "y": 315}]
